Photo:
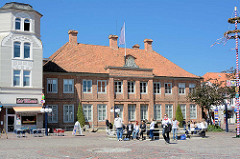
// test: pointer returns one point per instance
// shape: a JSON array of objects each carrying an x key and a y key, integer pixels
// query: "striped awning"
[{"x": 27, "y": 109}]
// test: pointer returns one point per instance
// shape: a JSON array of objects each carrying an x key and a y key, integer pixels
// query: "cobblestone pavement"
[{"x": 99, "y": 145}]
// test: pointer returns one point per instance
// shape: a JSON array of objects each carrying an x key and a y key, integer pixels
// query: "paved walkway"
[{"x": 99, "y": 145}]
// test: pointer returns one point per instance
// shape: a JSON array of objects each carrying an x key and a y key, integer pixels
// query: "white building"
[{"x": 20, "y": 67}]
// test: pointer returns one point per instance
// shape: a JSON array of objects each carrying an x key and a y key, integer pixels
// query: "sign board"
[
  {"x": 27, "y": 101},
  {"x": 216, "y": 114}
]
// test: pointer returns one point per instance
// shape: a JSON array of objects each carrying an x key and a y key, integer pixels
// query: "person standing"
[
  {"x": 135, "y": 130},
  {"x": 175, "y": 128},
  {"x": 151, "y": 129},
  {"x": 166, "y": 123},
  {"x": 118, "y": 124},
  {"x": 143, "y": 129}
]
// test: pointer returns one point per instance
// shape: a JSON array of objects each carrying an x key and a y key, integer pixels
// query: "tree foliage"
[
  {"x": 179, "y": 115},
  {"x": 206, "y": 95},
  {"x": 80, "y": 115}
]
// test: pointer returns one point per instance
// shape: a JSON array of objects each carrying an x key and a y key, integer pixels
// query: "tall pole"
[{"x": 237, "y": 72}]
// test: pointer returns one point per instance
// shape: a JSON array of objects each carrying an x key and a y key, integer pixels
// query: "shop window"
[{"x": 29, "y": 120}]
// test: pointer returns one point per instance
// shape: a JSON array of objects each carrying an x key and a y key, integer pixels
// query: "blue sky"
[{"x": 181, "y": 30}]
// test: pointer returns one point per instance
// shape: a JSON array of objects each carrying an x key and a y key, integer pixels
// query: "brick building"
[{"x": 143, "y": 85}]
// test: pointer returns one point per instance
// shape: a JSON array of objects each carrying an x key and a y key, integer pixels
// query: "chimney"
[
  {"x": 148, "y": 45},
  {"x": 113, "y": 41},
  {"x": 136, "y": 46},
  {"x": 73, "y": 37}
]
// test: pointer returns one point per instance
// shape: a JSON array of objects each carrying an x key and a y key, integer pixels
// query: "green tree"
[
  {"x": 179, "y": 115},
  {"x": 206, "y": 95},
  {"x": 80, "y": 115}
]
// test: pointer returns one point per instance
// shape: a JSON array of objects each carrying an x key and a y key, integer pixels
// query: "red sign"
[{"x": 27, "y": 101}]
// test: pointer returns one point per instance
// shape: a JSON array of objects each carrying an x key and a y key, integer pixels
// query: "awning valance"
[{"x": 27, "y": 109}]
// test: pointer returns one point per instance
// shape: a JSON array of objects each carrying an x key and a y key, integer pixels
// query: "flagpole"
[{"x": 125, "y": 41}]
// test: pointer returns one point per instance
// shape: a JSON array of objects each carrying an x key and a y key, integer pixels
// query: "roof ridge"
[{"x": 57, "y": 52}]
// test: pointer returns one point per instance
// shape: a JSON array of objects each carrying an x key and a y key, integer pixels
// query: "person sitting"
[
  {"x": 143, "y": 129},
  {"x": 135, "y": 130},
  {"x": 129, "y": 129}
]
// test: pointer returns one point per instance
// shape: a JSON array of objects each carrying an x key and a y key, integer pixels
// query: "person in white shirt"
[
  {"x": 135, "y": 130},
  {"x": 166, "y": 123},
  {"x": 175, "y": 128},
  {"x": 118, "y": 124},
  {"x": 151, "y": 129}
]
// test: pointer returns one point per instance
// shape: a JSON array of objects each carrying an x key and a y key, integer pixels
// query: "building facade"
[
  {"x": 141, "y": 85},
  {"x": 20, "y": 67}
]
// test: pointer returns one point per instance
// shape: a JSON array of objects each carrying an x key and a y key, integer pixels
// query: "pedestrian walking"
[
  {"x": 118, "y": 124},
  {"x": 166, "y": 123}
]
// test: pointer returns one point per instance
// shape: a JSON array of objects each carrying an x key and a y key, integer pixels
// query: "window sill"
[{"x": 23, "y": 59}]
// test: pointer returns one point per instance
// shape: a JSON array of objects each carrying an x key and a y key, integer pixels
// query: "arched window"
[
  {"x": 17, "y": 24},
  {"x": 17, "y": 49},
  {"x": 26, "y": 25},
  {"x": 26, "y": 50}
]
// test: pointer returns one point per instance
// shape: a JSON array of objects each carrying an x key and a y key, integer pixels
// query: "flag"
[{"x": 122, "y": 36}]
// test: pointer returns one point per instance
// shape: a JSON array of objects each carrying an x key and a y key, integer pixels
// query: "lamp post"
[{"x": 46, "y": 110}]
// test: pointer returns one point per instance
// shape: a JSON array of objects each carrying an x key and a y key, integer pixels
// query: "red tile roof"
[
  {"x": 95, "y": 58},
  {"x": 215, "y": 77}
]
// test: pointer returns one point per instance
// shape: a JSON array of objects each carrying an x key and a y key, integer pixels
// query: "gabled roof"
[
  {"x": 215, "y": 77},
  {"x": 95, "y": 58}
]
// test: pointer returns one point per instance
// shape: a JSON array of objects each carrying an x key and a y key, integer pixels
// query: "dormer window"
[
  {"x": 26, "y": 25},
  {"x": 17, "y": 23}
]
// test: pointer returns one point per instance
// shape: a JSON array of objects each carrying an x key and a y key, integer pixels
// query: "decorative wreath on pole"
[
  {"x": 232, "y": 20},
  {"x": 230, "y": 34}
]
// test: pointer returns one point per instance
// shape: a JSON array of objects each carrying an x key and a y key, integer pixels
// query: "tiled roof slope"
[
  {"x": 95, "y": 58},
  {"x": 215, "y": 77}
]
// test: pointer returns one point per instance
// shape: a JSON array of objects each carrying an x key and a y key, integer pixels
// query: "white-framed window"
[
  {"x": 102, "y": 112},
  {"x": 118, "y": 86},
  {"x": 157, "y": 111},
  {"x": 17, "y": 24},
  {"x": 120, "y": 107},
  {"x": 157, "y": 87},
  {"x": 26, "y": 25},
  {"x": 131, "y": 112},
  {"x": 192, "y": 87},
  {"x": 131, "y": 87},
  {"x": 143, "y": 87},
  {"x": 87, "y": 86},
  {"x": 68, "y": 86},
  {"x": 52, "y": 85},
  {"x": 17, "y": 49},
  {"x": 183, "y": 109},
  {"x": 181, "y": 88},
  {"x": 27, "y": 50},
  {"x": 193, "y": 111},
  {"x": 16, "y": 77},
  {"x": 102, "y": 86},
  {"x": 169, "y": 110},
  {"x": 87, "y": 110},
  {"x": 168, "y": 88},
  {"x": 68, "y": 113},
  {"x": 53, "y": 116},
  {"x": 26, "y": 78},
  {"x": 144, "y": 111}
]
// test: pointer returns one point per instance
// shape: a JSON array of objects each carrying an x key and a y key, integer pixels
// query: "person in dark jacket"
[
  {"x": 129, "y": 129},
  {"x": 142, "y": 129}
]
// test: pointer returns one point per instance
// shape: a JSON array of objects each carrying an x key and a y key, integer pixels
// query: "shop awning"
[{"x": 27, "y": 109}]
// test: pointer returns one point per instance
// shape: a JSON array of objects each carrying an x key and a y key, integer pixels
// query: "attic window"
[
  {"x": 26, "y": 25},
  {"x": 130, "y": 62}
]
